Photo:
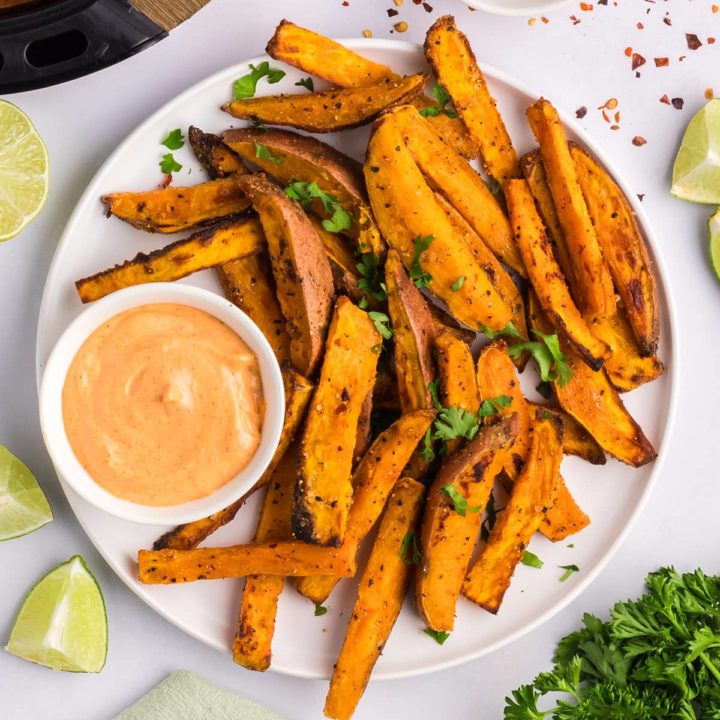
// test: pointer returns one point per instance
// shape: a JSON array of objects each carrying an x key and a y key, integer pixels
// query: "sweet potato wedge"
[
  {"x": 534, "y": 172},
  {"x": 576, "y": 439},
  {"x": 327, "y": 59},
  {"x": 297, "y": 395},
  {"x": 173, "y": 209},
  {"x": 299, "y": 157},
  {"x": 564, "y": 517},
  {"x": 593, "y": 290},
  {"x": 380, "y": 597},
  {"x": 465, "y": 190},
  {"x": 204, "y": 249},
  {"x": 324, "y": 487},
  {"x": 330, "y": 110},
  {"x": 448, "y": 530},
  {"x": 444, "y": 322},
  {"x": 623, "y": 248},
  {"x": 626, "y": 367},
  {"x": 451, "y": 57},
  {"x": 301, "y": 269},
  {"x": 249, "y": 284},
  {"x": 413, "y": 335},
  {"x": 456, "y": 371},
  {"x": 373, "y": 480},
  {"x": 546, "y": 276},
  {"x": 406, "y": 211},
  {"x": 216, "y": 158},
  {"x": 289, "y": 559},
  {"x": 595, "y": 404},
  {"x": 252, "y": 645},
  {"x": 532, "y": 493}
]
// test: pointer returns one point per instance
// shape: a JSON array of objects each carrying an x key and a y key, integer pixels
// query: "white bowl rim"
[
  {"x": 499, "y": 7},
  {"x": 67, "y": 346}
]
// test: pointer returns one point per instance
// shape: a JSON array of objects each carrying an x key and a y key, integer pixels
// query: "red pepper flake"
[
  {"x": 639, "y": 141},
  {"x": 617, "y": 116},
  {"x": 544, "y": 19},
  {"x": 628, "y": 51},
  {"x": 711, "y": 41},
  {"x": 641, "y": 196},
  {"x": 581, "y": 112},
  {"x": 709, "y": 94},
  {"x": 693, "y": 41},
  {"x": 665, "y": 99},
  {"x": 716, "y": 8},
  {"x": 640, "y": 26},
  {"x": 637, "y": 60},
  {"x": 678, "y": 103},
  {"x": 602, "y": 2},
  {"x": 427, "y": 7},
  {"x": 418, "y": 2},
  {"x": 662, "y": 62},
  {"x": 667, "y": 21},
  {"x": 575, "y": 20},
  {"x": 166, "y": 181},
  {"x": 586, "y": 7},
  {"x": 614, "y": 127},
  {"x": 346, "y": 3},
  {"x": 392, "y": 12},
  {"x": 605, "y": 117}
]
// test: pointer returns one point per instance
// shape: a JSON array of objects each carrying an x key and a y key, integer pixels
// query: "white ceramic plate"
[
  {"x": 305, "y": 645},
  {"x": 517, "y": 8}
]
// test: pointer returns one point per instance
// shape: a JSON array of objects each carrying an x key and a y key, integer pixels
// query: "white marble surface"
[{"x": 574, "y": 65}]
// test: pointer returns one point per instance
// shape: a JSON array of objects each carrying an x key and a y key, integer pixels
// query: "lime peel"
[{"x": 714, "y": 242}]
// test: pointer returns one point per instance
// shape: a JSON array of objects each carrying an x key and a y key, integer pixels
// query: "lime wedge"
[
  {"x": 62, "y": 623},
  {"x": 23, "y": 171},
  {"x": 23, "y": 507},
  {"x": 696, "y": 173},
  {"x": 714, "y": 235}
]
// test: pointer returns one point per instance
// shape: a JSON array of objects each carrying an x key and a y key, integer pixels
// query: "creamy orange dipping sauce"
[{"x": 163, "y": 404}]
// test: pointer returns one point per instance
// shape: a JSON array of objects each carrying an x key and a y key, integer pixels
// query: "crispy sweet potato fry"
[
  {"x": 327, "y": 59},
  {"x": 450, "y": 55},
  {"x": 173, "y": 209},
  {"x": 302, "y": 272},
  {"x": 593, "y": 289},
  {"x": 331, "y": 110},
  {"x": 289, "y": 559},
  {"x": 444, "y": 322},
  {"x": 594, "y": 403},
  {"x": 205, "y": 249},
  {"x": 252, "y": 645},
  {"x": 623, "y": 248},
  {"x": 576, "y": 439},
  {"x": 465, "y": 190},
  {"x": 299, "y": 157},
  {"x": 297, "y": 395},
  {"x": 546, "y": 276},
  {"x": 532, "y": 492},
  {"x": 324, "y": 487},
  {"x": 216, "y": 158},
  {"x": 249, "y": 284},
  {"x": 373, "y": 480},
  {"x": 626, "y": 368},
  {"x": 381, "y": 594},
  {"x": 449, "y": 531},
  {"x": 405, "y": 210},
  {"x": 564, "y": 518},
  {"x": 413, "y": 334}
]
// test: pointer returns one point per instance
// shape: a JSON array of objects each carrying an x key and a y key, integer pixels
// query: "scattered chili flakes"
[
  {"x": 417, "y": 2},
  {"x": 715, "y": 8},
  {"x": 693, "y": 41},
  {"x": 367, "y": 33},
  {"x": 709, "y": 94},
  {"x": 667, "y": 21},
  {"x": 640, "y": 26},
  {"x": 586, "y": 7},
  {"x": 637, "y": 60},
  {"x": 392, "y": 12},
  {"x": 711, "y": 41},
  {"x": 575, "y": 20},
  {"x": 639, "y": 141},
  {"x": 665, "y": 99},
  {"x": 345, "y": 3},
  {"x": 611, "y": 104},
  {"x": 606, "y": 117},
  {"x": 681, "y": 58},
  {"x": 617, "y": 117},
  {"x": 401, "y": 27},
  {"x": 581, "y": 112},
  {"x": 545, "y": 20},
  {"x": 641, "y": 196},
  {"x": 602, "y": 2},
  {"x": 678, "y": 103},
  {"x": 628, "y": 51},
  {"x": 532, "y": 21},
  {"x": 614, "y": 127},
  {"x": 662, "y": 62},
  {"x": 428, "y": 7}
]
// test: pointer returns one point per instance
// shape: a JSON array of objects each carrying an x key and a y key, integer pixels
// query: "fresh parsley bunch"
[{"x": 657, "y": 657}]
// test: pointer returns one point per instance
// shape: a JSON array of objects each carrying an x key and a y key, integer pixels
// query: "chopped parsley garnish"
[
  {"x": 492, "y": 406},
  {"x": 382, "y": 324},
  {"x": 174, "y": 140},
  {"x": 417, "y": 274},
  {"x": 569, "y": 570},
  {"x": 320, "y": 610},
  {"x": 442, "y": 98},
  {"x": 305, "y": 192},
  {"x": 551, "y": 361},
  {"x": 493, "y": 186},
  {"x": 456, "y": 422},
  {"x": 439, "y": 636},
  {"x": 307, "y": 83},
  {"x": 168, "y": 164},
  {"x": 434, "y": 390},
  {"x": 428, "y": 453},
  {"x": 508, "y": 331},
  {"x": 459, "y": 501},
  {"x": 263, "y": 152},
  {"x": 371, "y": 279},
  {"x": 409, "y": 551},
  {"x": 245, "y": 86},
  {"x": 455, "y": 287},
  {"x": 531, "y": 560}
]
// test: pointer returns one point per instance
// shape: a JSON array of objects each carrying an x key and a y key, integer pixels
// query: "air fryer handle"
[{"x": 57, "y": 43}]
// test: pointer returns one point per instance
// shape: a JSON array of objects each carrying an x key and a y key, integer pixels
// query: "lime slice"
[
  {"x": 714, "y": 235},
  {"x": 62, "y": 623},
  {"x": 696, "y": 173},
  {"x": 23, "y": 171},
  {"x": 23, "y": 507}
]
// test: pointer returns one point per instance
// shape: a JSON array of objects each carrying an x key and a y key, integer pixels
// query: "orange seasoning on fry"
[{"x": 163, "y": 404}]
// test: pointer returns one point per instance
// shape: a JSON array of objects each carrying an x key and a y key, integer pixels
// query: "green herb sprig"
[
  {"x": 417, "y": 274},
  {"x": 442, "y": 98},
  {"x": 246, "y": 86},
  {"x": 305, "y": 192}
]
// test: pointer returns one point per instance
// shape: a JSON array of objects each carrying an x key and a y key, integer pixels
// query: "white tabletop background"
[{"x": 574, "y": 65}]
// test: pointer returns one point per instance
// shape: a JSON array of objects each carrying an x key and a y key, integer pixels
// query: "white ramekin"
[
  {"x": 517, "y": 8},
  {"x": 58, "y": 364}
]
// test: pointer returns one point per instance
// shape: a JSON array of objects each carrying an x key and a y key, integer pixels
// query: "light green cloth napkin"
[{"x": 186, "y": 696}]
